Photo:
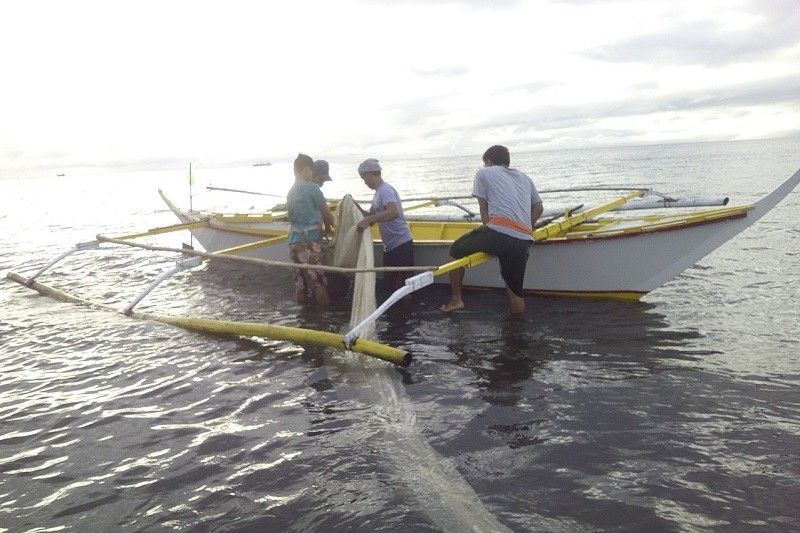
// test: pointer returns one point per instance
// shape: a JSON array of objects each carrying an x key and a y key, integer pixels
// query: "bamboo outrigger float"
[
  {"x": 585, "y": 252},
  {"x": 207, "y": 325},
  {"x": 243, "y": 329}
]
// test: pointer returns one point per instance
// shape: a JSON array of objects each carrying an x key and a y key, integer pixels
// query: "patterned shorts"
[{"x": 310, "y": 253}]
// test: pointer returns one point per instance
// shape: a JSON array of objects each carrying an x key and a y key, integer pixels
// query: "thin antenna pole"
[
  {"x": 191, "y": 207},
  {"x": 190, "y": 186}
]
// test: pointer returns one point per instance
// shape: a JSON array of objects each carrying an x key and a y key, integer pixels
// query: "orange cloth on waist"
[{"x": 507, "y": 222}]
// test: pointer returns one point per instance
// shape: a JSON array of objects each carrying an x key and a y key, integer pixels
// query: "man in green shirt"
[{"x": 308, "y": 213}]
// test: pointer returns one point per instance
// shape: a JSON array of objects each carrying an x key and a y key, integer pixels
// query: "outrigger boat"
[
  {"x": 600, "y": 252},
  {"x": 596, "y": 252}
]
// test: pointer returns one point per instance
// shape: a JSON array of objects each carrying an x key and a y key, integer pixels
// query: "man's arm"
[
  {"x": 484, "y": 206},
  {"x": 536, "y": 212},
  {"x": 327, "y": 217},
  {"x": 389, "y": 213},
  {"x": 365, "y": 213}
]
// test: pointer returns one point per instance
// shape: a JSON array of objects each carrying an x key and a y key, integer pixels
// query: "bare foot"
[
  {"x": 452, "y": 306},
  {"x": 517, "y": 306}
]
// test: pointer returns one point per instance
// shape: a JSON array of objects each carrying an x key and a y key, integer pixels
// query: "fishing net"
[
  {"x": 354, "y": 249},
  {"x": 446, "y": 497}
]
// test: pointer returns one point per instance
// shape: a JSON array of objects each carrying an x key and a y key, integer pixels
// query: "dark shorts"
[
  {"x": 402, "y": 255},
  {"x": 510, "y": 251}
]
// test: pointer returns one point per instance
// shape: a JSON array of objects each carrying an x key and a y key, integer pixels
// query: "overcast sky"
[{"x": 117, "y": 82}]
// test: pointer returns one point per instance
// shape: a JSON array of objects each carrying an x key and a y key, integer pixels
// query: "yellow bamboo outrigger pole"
[
  {"x": 226, "y": 327},
  {"x": 207, "y": 325},
  {"x": 553, "y": 229}
]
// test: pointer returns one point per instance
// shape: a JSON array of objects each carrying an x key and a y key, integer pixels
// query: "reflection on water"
[{"x": 625, "y": 339}]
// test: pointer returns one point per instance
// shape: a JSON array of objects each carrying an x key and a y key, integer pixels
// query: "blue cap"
[{"x": 321, "y": 170}]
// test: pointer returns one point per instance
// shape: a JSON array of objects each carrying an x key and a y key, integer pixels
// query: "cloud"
[
  {"x": 634, "y": 118},
  {"x": 776, "y": 27},
  {"x": 442, "y": 72},
  {"x": 418, "y": 111},
  {"x": 530, "y": 88},
  {"x": 593, "y": 2},
  {"x": 476, "y": 4},
  {"x": 775, "y": 91},
  {"x": 423, "y": 123},
  {"x": 13, "y": 153},
  {"x": 532, "y": 136},
  {"x": 448, "y": 75},
  {"x": 780, "y": 90}
]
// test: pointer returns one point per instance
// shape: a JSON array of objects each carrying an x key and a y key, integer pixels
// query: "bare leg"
[
  {"x": 319, "y": 292},
  {"x": 323, "y": 300},
  {"x": 456, "y": 284},
  {"x": 516, "y": 303},
  {"x": 300, "y": 296},
  {"x": 300, "y": 284}
]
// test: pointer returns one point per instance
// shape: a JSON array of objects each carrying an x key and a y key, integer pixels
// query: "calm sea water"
[{"x": 680, "y": 412}]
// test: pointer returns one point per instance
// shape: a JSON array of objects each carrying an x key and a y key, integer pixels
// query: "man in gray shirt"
[
  {"x": 387, "y": 212},
  {"x": 510, "y": 205}
]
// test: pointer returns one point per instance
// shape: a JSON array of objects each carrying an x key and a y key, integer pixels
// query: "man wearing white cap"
[{"x": 387, "y": 212}]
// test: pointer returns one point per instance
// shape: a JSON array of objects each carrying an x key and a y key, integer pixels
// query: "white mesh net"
[{"x": 354, "y": 249}]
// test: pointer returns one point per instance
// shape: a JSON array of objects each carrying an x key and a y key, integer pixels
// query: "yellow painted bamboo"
[
  {"x": 243, "y": 218},
  {"x": 419, "y": 206},
  {"x": 244, "y": 329},
  {"x": 46, "y": 290},
  {"x": 285, "y": 333},
  {"x": 626, "y": 296},
  {"x": 257, "y": 261},
  {"x": 252, "y": 245},
  {"x": 648, "y": 224},
  {"x": 465, "y": 262},
  {"x": 166, "y": 229},
  {"x": 554, "y": 229}
]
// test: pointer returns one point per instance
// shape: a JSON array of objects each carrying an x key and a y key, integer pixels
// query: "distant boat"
[
  {"x": 263, "y": 164},
  {"x": 59, "y": 175}
]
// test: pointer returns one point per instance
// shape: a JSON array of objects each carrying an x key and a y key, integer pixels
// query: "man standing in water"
[
  {"x": 510, "y": 205},
  {"x": 307, "y": 211},
  {"x": 387, "y": 212}
]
